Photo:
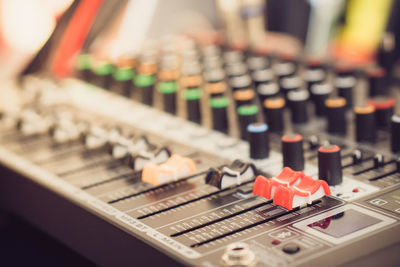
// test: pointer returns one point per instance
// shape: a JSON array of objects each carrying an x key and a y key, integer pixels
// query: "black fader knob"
[
  {"x": 292, "y": 151},
  {"x": 219, "y": 114},
  {"x": 297, "y": 101},
  {"x": 259, "y": 140},
  {"x": 273, "y": 113},
  {"x": 336, "y": 115},
  {"x": 365, "y": 123},
  {"x": 329, "y": 164},
  {"x": 395, "y": 138}
]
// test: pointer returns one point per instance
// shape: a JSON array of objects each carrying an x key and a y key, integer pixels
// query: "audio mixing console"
[{"x": 209, "y": 157}]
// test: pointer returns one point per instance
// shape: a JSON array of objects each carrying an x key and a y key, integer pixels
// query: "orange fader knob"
[
  {"x": 266, "y": 187},
  {"x": 290, "y": 189},
  {"x": 307, "y": 191},
  {"x": 173, "y": 169}
]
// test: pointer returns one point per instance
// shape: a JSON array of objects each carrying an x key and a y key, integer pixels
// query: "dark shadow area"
[{"x": 21, "y": 244}]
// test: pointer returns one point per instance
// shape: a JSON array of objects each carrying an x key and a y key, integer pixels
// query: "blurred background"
[
  {"x": 360, "y": 32},
  {"x": 53, "y": 37}
]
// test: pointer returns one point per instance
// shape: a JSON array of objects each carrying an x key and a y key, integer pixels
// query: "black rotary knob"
[
  {"x": 329, "y": 164},
  {"x": 319, "y": 94},
  {"x": 284, "y": 69},
  {"x": 236, "y": 69},
  {"x": 258, "y": 139},
  {"x": 240, "y": 82},
  {"x": 255, "y": 63},
  {"x": 395, "y": 128},
  {"x": 216, "y": 89},
  {"x": 193, "y": 105},
  {"x": 289, "y": 84},
  {"x": 144, "y": 84},
  {"x": 345, "y": 86},
  {"x": 232, "y": 57},
  {"x": 191, "y": 81},
  {"x": 262, "y": 76},
  {"x": 297, "y": 101},
  {"x": 384, "y": 108},
  {"x": 292, "y": 151},
  {"x": 273, "y": 113},
  {"x": 247, "y": 114},
  {"x": 214, "y": 75},
  {"x": 365, "y": 123},
  {"x": 377, "y": 81},
  {"x": 267, "y": 90},
  {"x": 244, "y": 96},
  {"x": 219, "y": 115},
  {"x": 314, "y": 76},
  {"x": 168, "y": 91},
  {"x": 336, "y": 115}
]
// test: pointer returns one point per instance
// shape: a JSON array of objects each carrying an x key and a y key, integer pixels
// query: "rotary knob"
[
  {"x": 329, "y": 164},
  {"x": 365, "y": 123},
  {"x": 395, "y": 128},
  {"x": 336, "y": 115},
  {"x": 292, "y": 151},
  {"x": 259, "y": 140}
]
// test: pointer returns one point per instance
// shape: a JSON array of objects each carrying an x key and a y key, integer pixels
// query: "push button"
[{"x": 291, "y": 248}]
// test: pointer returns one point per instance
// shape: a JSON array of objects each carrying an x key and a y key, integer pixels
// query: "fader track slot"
[
  {"x": 190, "y": 201},
  {"x": 221, "y": 219},
  {"x": 249, "y": 226}
]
